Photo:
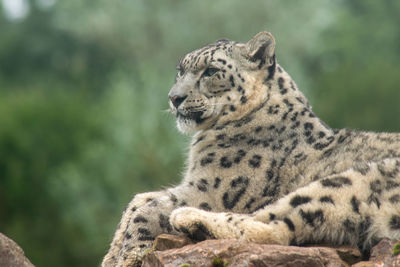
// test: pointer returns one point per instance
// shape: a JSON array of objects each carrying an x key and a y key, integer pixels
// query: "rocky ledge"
[
  {"x": 170, "y": 250},
  {"x": 11, "y": 255}
]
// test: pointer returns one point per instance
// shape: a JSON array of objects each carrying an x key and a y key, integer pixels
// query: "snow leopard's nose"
[{"x": 177, "y": 100}]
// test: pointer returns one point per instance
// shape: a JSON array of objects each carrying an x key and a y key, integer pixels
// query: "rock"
[
  {"x": 165, "y": 241},
  {"x": 382, "y": 255},
  {"x": 239, "y": 253},
  {"x": 11, "y": 255},
  {"x": 349, "y": 254}
]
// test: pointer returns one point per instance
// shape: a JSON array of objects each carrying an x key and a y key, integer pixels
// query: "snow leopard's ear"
[{"x": 261, "y": 49}]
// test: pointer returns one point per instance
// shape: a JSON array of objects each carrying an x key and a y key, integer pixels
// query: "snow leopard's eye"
[
  {"x": 180, "y": 73},
  {"x": 210, "y": 71}
]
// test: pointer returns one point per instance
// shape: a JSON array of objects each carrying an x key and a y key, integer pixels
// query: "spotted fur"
[{"x": 261, "y": 166}]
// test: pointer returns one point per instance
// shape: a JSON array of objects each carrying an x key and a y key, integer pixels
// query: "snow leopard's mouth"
[{"x": 195, "y": 116}]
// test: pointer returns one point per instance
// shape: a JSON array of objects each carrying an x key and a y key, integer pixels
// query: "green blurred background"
[{"x": 83, "y": 94}]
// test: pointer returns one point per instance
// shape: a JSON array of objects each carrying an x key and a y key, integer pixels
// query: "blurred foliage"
[{"x": 83, "y": 88}]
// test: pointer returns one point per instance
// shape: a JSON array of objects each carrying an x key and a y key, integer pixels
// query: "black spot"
[
  {"x": 294, "y": 117},
  {"x": 312, "y": 218},
  {"x": 299, "y": 200},
  {"x": 327, "y": 199},
  {"x": 376, "y": 187},
  {"x": 272, "y": 216},
  {"x": 255, "y": 161},
  {"x": 199, "y": 139},
  {"x": 395, "y": 222},
  {"x": 144, "y": 231},
  {"x": 341, "y": 139},
  {"x": 394, "y": 199},
  {"x": 145, "y": 235},
  {"x": 128, "y": 236},
  {"x": 223, "y": 145},
  {"x": 258, "y": 129},
  {"x": 310, "y": 140},
  {"x": 254, "y": 142},
  {"x": 140, "y": 219},
  {"x": 280, "y": 82},
  {"x": 220, "y": 136},
  {"x": 270, "y": 174},
  {"x": 164, "y": 223},
  {"x": 272, "y": 187},
  {"x": 207, "y": 159},
  {"x": 362, "y": 168},
  {"x": 205, "y": 206},
  {"x": 336, "y": 182},
  {"x": 308, "y": 126},
  {"x": 232, "y": 81},
  {"x": 363, "y": 231},
  {"x": 232, "y": 108},
  {"x": 225, "y": 162},
  {"x": 237, "y": 137},
  {"x": 327, "y": 153},
  {"x": 243, "y": 121},
  {"x": 273, "y": 109},
  {"x": 320, "y": 146},
  {"x": 289, "y": 223},
  {"x": 173, "y": 198},
  {"x": 238, "y": 188},
  {"x": 355, "y": 204},
  {"x": 249, "y": 203},
  {"x": 239, "y": 155},
  {"x": 298, "y": 158},
  {"x": 391, "y": 185},
  {"x": 202, "y": 185},
  {"x": 221, "y": 60},
  {"x": 271, "y": 69},
  {"x": 387, "y": 171},
  {"x": 350, "y": 226},
  {"x": 217, "y": 182},
  {"x": 201, "y": 233},
  {"x": 281, "y": 130},
  {"x": 243, "y": 99},
  {"x": 321, "y": 134},
  {"x": 374, "y": 199}
]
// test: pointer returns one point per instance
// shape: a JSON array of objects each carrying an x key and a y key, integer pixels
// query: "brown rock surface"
[
  {"x": 11, "y": 255},
  {"x": 165, "y": 241},
  {"x": 382, "y": 255},
  {"x": 237, "y": 253}
]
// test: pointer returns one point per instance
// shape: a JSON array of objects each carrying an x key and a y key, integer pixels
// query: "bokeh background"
[{"x": 83, "y": 94}]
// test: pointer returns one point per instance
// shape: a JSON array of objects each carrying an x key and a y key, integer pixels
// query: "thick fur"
[{"x": 262, "y": 167}]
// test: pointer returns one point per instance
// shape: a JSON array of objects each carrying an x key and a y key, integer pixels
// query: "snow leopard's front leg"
[
  {"x": 356, "y": 207},
  {"x": 122, "y": 232},
  {"x": 146, "y": 216}
]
